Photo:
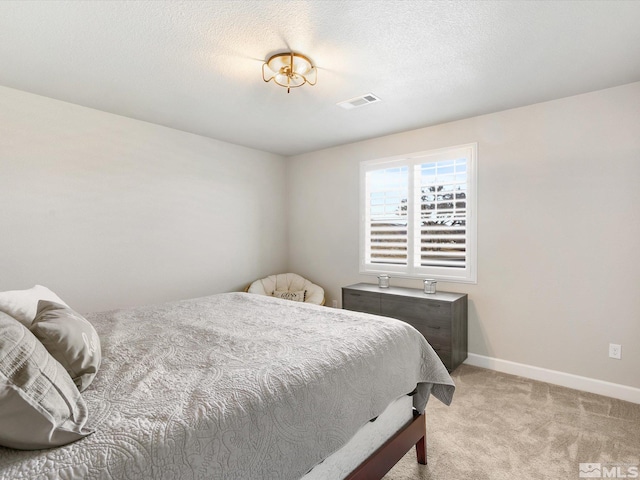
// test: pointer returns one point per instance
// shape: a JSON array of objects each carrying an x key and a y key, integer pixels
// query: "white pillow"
[
  {"x": 288, "y": 295},
  {"x": 40, "y": 406},
  {"x": 23, "y": 304}
]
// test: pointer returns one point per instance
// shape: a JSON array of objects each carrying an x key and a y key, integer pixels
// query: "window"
[{"x": 418, "y": 215}]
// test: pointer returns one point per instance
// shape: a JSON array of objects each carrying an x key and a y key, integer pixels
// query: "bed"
[{"x": 241, "y": 386}]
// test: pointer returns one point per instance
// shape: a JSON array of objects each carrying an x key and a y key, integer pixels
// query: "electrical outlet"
[
  {"x": 334, "y": 303},
  {"x": 615, "y": 351}
]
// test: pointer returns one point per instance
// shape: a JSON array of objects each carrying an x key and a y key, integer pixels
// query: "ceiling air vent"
[{"x": 360, "y": 101}]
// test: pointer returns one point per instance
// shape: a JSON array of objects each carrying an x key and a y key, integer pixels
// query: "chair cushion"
[{"x": 288, "y": 282}]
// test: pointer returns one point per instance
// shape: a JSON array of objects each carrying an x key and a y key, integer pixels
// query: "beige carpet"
[{"x": 501, "y": 426}]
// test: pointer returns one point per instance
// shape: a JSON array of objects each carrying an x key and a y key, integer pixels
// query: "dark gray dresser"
[{"x": 441, "y": 317}]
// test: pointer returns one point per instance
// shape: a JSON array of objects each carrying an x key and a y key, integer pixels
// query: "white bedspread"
[{"x": 234, "y": 386}]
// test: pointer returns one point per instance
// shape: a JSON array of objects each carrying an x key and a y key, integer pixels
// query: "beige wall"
[
  {"x": 558, "y": 228},
  {"x": 112, "y": 212}
]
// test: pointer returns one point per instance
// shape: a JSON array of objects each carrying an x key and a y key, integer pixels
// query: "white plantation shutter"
[
  {"x": 442, "y": 213},
  {"x": 418, "y": 215},
  {"x": 387, "y": 235}
]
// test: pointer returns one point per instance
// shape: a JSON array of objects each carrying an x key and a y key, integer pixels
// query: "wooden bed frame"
[{"x": 382, "y": 460}]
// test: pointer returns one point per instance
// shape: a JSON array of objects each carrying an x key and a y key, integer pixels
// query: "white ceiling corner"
[{"x": 196, "y": 66}]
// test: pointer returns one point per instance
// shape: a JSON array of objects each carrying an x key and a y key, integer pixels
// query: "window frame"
[{"x": 468, "y": 274}]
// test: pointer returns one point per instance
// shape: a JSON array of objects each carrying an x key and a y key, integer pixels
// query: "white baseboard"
[{"x": 615, "y": 390}]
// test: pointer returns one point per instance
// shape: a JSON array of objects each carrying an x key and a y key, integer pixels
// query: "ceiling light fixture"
[{"x": 290, "y": 70}]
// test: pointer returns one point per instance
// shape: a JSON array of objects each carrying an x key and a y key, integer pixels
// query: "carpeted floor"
[{"x": 501, "y": 426}]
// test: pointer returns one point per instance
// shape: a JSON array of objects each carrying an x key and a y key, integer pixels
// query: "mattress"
[
  {"x": 235, "y": 386},
  {"x": 366, "y": 441}
]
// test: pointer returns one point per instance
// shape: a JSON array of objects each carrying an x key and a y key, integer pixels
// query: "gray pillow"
[
  {"x": 40, "y": 407},
  {"x": 70, "y": 339}
]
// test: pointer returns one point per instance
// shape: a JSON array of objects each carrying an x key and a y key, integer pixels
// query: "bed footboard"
[{"x": 383, "y": 459}]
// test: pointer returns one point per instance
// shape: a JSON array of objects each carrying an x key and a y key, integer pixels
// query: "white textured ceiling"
[{"x": 195, "y": 65}]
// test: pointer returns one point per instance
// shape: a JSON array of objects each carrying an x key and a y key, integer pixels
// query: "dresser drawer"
[
  {"x": 432, "y": 330},
  {"x": 445, "y": 356},
  {"x": 367, "y": 302},
  {"x": 439, "y": 339},
  {"x": 410, "y": 310}
]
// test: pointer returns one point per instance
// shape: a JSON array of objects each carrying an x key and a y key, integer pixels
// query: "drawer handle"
[
  {"x": 355, "y": 294},
  {"x": 435, "y": 328},
  {"x": 434, "y": 305}
]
